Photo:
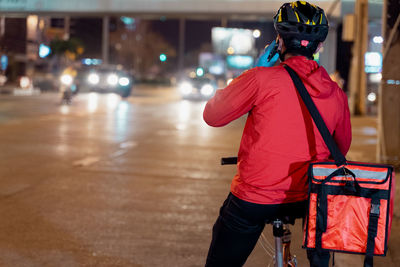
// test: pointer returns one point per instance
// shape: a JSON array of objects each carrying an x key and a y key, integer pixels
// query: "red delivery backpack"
[{"x": 350, "y": 205}]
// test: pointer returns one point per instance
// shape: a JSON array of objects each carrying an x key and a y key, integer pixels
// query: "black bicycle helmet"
[{"x": 302, "y": 27}]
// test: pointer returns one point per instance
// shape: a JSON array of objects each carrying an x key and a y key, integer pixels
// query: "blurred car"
[
  {"x": 106, "y": 79},
  {"x": 198, "y": 88}
]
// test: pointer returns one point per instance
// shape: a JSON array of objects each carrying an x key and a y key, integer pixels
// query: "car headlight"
[
  {"x": 66, "y": 79},
  {"x": 93, "y": 78},
  {"x": 112, "y": 79},
  {"x": 124, "y": 81},
  {"x": 207, "y": 90},
  {"x": 24, "y": 82},
  {"x": 185, "y": 88}
]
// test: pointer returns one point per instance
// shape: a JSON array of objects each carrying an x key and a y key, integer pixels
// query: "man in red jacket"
[{"x": 279, "y": 139}]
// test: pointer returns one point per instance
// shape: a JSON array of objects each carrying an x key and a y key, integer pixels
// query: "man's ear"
[
  {"x": 318, "y": 48},
  {"x": 280, "y": 42}
]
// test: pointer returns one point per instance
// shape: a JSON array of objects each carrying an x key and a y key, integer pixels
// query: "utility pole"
[
  {"x": 106, "y": 39},
  {"x": 67, "y": 27},
  {"x": 182, "y": 37},
  {"x": 358, "y": 78},
  {"x": 389, "y": 92},
  {"x": 224, "y": 22}
]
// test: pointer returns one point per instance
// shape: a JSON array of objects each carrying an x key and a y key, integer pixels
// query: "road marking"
[
  {"x": 118, "y": 153},
  {"x": 86, "y": 161},
  {"x": 128, "y": 144},
  {"x": 91, "y": 159},
  {"x": 124, "y": 148}
]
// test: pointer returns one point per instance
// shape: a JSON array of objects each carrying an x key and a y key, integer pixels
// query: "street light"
[
  {"x": 377, "y": 39},
  {"x": 371, "y": 97}
]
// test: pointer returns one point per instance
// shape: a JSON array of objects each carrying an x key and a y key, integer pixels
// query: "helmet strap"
[{"x": 282, "y": 55}]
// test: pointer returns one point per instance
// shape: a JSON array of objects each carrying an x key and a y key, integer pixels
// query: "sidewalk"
[
  {"x": 14, "y": 89},
  {"x": 7, "y": 88}
]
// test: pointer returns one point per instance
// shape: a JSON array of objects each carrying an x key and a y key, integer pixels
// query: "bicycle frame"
[{"x": 282, "y": 236}]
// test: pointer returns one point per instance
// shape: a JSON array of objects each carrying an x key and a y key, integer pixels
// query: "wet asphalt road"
[{"x": 111, "y": 182}]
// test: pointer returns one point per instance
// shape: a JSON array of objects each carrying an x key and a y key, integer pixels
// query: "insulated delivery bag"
[
  {"x": 350, "y": 208},
  {"x": 350, "y": 203}
]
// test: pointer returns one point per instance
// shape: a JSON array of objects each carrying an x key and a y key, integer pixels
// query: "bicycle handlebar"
[{"x": 229, "y": 161}]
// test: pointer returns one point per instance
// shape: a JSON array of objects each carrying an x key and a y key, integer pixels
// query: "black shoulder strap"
[
  {"x": 318, "y": 120},
  {"x": 372, "y": 231}
]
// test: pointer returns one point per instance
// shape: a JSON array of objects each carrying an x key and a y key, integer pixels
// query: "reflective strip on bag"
[{"x": 319, "y": 173}]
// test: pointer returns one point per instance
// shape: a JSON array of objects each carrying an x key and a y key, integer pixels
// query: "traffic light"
[
  {"x": 163, "y": 57},
  {"x": 44, "y": 50},
  {"x": 199, "y": 71}
]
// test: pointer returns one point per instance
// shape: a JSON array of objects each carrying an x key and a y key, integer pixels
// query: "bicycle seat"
[{"x": 284, "y": 219}]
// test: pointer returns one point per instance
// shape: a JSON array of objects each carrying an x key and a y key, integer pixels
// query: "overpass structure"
[
  {"x": 195, "y": 7},
  {"x": 223, "y": 10}
]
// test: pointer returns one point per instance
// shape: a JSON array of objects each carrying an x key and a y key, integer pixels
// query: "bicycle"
[{"x": 280, "y": 253}]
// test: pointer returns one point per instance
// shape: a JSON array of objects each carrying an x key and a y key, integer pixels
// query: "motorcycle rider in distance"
[{"x": 68, "y": 84}]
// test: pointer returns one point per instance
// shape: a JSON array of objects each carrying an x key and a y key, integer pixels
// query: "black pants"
[{"x": 240, "y": 224}]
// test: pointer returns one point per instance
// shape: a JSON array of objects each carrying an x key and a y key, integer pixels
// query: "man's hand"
[{"x": 263, "y": 59}]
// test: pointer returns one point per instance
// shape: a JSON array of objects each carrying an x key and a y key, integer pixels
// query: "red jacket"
[{"x": 280, "y": 139}]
